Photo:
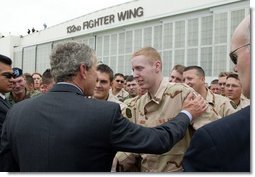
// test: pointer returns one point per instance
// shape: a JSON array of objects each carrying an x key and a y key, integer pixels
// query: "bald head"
[
  {"x": 241, "y": 34},
  {"x": 240, "y": 54}
]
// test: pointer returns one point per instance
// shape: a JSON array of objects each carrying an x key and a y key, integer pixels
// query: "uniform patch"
[
  {"x": 233, "y": 104},
  {"x": 129, "y": 113}
]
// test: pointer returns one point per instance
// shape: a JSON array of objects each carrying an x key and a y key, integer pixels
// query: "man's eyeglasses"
[
  {"x": 8, "y": 75},
  {"x": 120, "y": 81},
  {"x": 233, "y": 56}
]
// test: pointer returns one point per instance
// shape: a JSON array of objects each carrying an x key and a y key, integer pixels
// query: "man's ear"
[
  {"x": 83, "y": 71},
  {"x": 158, "y": 65}
]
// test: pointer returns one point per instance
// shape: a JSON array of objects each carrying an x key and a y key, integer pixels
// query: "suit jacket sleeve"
[
  {"x": 7, "y": 160},
  {"x": 129, "y": 137}
]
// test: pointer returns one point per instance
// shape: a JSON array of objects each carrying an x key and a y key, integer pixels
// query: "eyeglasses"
[
  {"x": 121, "y": 81},
  {"x": 233, "y": 56},
  {"x": 232, "y": 85},
  {"x": 8, "y": 75}
]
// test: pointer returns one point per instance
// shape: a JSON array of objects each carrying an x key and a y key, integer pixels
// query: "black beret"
[
  {"x": 5, "y": 60},
  {"x": 17, "y": 72}
]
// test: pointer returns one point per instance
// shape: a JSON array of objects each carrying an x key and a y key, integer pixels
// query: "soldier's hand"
[{"x": 195, "y": 104}]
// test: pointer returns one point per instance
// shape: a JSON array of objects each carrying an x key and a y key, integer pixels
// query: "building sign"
[{"x": 106, "y": 20}]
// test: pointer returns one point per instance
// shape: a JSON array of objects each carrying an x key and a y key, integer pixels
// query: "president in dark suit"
[
  {"x": 64, "y": 131},
  {"x": 224, "y": 145},
  {"x": 6, "y": 75}
]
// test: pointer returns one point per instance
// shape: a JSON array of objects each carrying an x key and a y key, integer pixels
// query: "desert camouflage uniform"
[
  {"x": 221, "y": 105},
  {"x": 243, "y": 103},
  {"x": 150, "y": 112},
  {"x": 121, "y": 95}
]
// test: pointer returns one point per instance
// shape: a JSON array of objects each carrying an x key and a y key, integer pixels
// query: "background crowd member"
[
  {"x": 214, "y": 86},
  {"x": 194, "y": 76},
  {"x": 118, "y": 87},
  {"x": 37, "y": 80},
  {"x": 30, "y": 84},
  {"x": 62, "y": 130},
  {"x": 6, "y": 75},
  {"x": 133, "y": 87},
  {"x": 47, "y": 81},
  {"x": 222, "y": 82},
  {"x": 162, "y": 101},
  {"x": 224, "y": 145},
  {"x": 233, "y": 91},
  {"x": 19, "y": 91},
  {"x": 176, "y": 74},
  {"x": 103, "y": 85}
]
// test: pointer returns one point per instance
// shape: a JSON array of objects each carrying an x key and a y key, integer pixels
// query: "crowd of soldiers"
[
  {"x": 224, "y": 96},
  {"x": 149, "y": 99}
]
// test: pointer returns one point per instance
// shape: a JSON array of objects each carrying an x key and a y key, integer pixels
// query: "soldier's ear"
[{"x": 157, "y": 65}]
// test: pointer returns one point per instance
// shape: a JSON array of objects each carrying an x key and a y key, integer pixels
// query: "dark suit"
[
  {"x": 4, "y": 107},
  {"x": 63, "y": 131},
  {"x": 221, "y": 146}
]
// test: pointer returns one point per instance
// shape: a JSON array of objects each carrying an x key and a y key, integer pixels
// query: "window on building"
[
  {"x": 157, "y": 38},
  {"x": 43, "y": 57},
  {"x": 29, "y": 60},
  {"x": 147, "y": 36},
  {"x": 168, "y": 36}
]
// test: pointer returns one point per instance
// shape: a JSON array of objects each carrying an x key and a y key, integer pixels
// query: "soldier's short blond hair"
[{"x": 149, "y": 52}]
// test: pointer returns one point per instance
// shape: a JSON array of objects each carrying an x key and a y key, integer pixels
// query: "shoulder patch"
[{"x": 128, "y": 113}]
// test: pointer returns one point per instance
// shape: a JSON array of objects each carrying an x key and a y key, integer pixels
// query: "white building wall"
[{"x": 188, "y": 32}]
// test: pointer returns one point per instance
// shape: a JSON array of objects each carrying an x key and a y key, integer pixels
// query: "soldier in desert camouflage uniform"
[{"x": 163, "y": 100}]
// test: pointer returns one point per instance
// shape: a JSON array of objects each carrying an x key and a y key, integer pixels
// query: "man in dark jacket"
[{"x": 6, "y": 75}]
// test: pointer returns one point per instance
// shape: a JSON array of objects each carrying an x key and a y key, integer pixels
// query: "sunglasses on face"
[
  {"x": 8, "y": 75},
  {"x": 234, "y": 56}
]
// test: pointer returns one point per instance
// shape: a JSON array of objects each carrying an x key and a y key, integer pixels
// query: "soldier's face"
[
  {"x": 118, "y": 82},
  {"x": 175, "y": 77},
  {"x": 19, "y": 85},
  {"x": 192, "y": 79},
  {"x": 233, "y": 88},
  {"x": 103, "y": 85},
  {"x": 133, "y": 88},
  {"x": 144, "y": 71},
  {"x": 222, "y": 83},
  {"x": 215, "y": 88}
]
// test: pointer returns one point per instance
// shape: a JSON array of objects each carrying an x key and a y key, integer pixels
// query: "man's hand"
[{"x": 195, "y": 104}]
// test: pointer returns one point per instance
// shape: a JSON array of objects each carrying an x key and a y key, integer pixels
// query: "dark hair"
[
  {"x": 215, "y": 81},
  {"x": 6, "y": 60},
  {"x": 118, "y": 74},
  {"x": 197, "y": 68},
  {"x": 233, "y": 75},
  {"x": 103, "y": 68},
  {"x": 35, "y": 73},
  {"x": 130, "y": 78},
  {"x": 29, "y": 79},
  {"x": 47, "y": 77}
]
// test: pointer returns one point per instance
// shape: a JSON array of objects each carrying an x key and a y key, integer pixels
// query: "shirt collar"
[
  {"x": 210, "y": 98},
  {"x": 160, "y": 92},
  {"x": 2, "y": 95},
  {"x": 68, "y": 83}
]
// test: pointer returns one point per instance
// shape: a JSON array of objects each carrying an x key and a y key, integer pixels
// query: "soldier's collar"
[
  {"x": 160, "y": 92},
  {"x": 210, "y": 98}
]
